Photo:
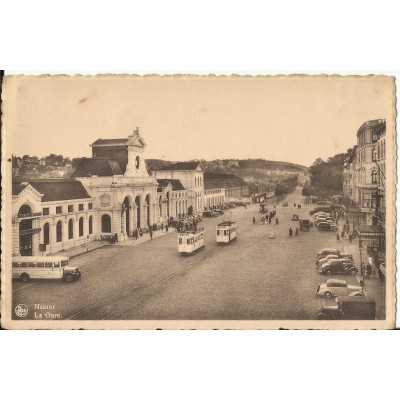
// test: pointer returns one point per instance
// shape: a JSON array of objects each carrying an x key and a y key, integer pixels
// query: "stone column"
[
  {"x": 65, "y": 244},
  {"x": 15, "y": 239},
  {"x": 35, "y": 239},
  {"x": 132, "y": 218}
]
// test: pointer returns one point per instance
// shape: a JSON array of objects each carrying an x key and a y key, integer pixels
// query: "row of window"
[
  {"x": 59, "y": 229},
  {"x": 362, "y": 177},
  {"x": 198, "y": 181},
  {"x": 70, "y": 208},
  {"x": 382, "y": 149}
]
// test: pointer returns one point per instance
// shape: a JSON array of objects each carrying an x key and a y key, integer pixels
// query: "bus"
[
  {"x": 25, "y": 268},
  {"x": 226, "y": 231},
  {"x": 190, "y": 240}
]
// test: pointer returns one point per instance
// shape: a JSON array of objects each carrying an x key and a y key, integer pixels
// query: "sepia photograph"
[{"x": 190, "y": 201}]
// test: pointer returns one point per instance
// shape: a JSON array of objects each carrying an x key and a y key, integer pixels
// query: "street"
[{"x": 252, "y": 278}]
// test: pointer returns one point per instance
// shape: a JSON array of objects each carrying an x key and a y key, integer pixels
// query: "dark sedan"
[{"x": 344, "y": 266}]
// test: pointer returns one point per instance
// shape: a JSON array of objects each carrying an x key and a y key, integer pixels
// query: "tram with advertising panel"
[
  {"x": 226, "y": 231},
  {"x": 190, "y": 240}
]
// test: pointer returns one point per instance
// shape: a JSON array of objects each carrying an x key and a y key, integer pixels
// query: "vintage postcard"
[{"x": 181, "y": 202}]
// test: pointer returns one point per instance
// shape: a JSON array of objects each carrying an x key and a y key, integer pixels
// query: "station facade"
[
  {"x": 110, "y": 194},
  {"x": 50, "y": 215}
]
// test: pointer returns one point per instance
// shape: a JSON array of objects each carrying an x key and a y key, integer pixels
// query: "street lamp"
[{"x": 360, "y": 247}]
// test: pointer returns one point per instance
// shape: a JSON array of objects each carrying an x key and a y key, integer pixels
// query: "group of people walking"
[{"x": 368, "y": 271}]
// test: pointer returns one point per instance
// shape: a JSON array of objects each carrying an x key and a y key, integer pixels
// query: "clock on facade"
[{"x": 137, "y": 162}]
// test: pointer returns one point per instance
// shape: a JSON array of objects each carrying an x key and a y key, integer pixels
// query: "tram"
[
  {"x": 190, "y": 240},
  {"x": 226, "y": 231}
]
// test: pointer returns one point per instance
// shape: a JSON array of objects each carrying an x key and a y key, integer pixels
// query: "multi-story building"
[
  {"x": 350, "y": 175},
  {"x": 235, "y": 187},
  {"x": 381, "y": 169},
  {"x": 50, "y": 215},
  {"x": 172, "y": 200},
  {"x": 367, "y": 192},
  {"x": 367, "y": 168},
  {"x": 125, "y": 196},
  {"x": 191, "y": 176}
]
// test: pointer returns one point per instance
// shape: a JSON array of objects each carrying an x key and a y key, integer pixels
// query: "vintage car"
[
  {"x": 326, "y": 226},
  {"x": 338, "y": 266},
  {"x": 324, "y": 252},
  {"x": 349, "y": 307},
  {"x": 324, "y": 260},
  {"x": 338, "y": 287},
  {"x": 295, "y": 217}
]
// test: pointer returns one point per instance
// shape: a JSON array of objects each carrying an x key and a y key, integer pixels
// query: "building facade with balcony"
[
  {"x": 50, "y": 215},
  {"x": 367, "y": 170}
]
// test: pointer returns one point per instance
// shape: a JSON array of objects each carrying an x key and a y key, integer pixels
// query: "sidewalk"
[
  {"x": 373, "y": 287},
  {"x": 144, "y": 238},
  {"x": 98, "y": 244}
]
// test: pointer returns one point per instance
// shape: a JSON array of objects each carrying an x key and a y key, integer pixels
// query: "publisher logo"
[{"x": 21, "y": 310}]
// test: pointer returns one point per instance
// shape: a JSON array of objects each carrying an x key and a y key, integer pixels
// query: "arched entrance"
[
  {"x": 137, "y": 203},
  {"x": 147, "y": 200},
  {"x": 127, "y": 207},
  {"x": 190, "y": 210},
  {"x": 25, "y": 231}
]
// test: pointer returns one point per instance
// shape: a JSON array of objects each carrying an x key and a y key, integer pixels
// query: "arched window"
[
  {"x": 106, "y": 223},
  {"x": 59, "y": 231},
  {"x": 70, "y": 229},
  {"x": 80, "y": 226},
  {"x": 46, "y": 233},
  {"x": 90, "y": 225}
]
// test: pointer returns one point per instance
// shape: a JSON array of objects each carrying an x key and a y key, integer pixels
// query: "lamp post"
[{"x": 360, "y": 247}]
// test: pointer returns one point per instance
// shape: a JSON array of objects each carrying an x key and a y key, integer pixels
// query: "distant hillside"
[{"x": 232, "y": 164}]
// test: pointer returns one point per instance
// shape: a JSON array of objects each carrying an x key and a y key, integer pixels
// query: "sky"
[{"x": 293, "y": 119}]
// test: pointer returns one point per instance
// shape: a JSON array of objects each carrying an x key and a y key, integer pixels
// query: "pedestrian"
[
  {"x": 277, "y": 221},
  {"x": 151, "y": 234},
  {"x": 254, "y": 220},
  {"x": 166, "y": 228},
  {"x": 380, "y": 273},
  {"x": 337, "y": 236},
  {"x": 162, "y": 227},
  {"x": 362, "y": 272},
  {"x": 290, "y": 232},
  {"x": 297, "y": 232},
  {"x": 350, "y": 237},
  {"x": 368, "y": 270}
]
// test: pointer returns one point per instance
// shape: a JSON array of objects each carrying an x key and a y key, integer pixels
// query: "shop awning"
[{"x": 370, "y": 231}]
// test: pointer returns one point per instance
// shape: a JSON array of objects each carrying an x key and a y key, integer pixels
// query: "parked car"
[
  {"x": 324, "y": 252},
  {"x": 295, "y": 217},
  {"x": 231, "y": 205},
  {"x": 338, "y": 287},
  {"x": 318, "y": 209},
  {"x": 209, "y": 214},
  {"x": 324, "y": 260},
  {"x": 349, "y": 307},
  {"x": 325, "y": 226},
  {"x": 331, "y": 256},
  {"x": 304, "y": 224},
  {"x": 219, "y": 211},
  {"x": 338, "y": 266}
]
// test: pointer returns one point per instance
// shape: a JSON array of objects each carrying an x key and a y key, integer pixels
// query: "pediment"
[{"x": 136, "y": 140}]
